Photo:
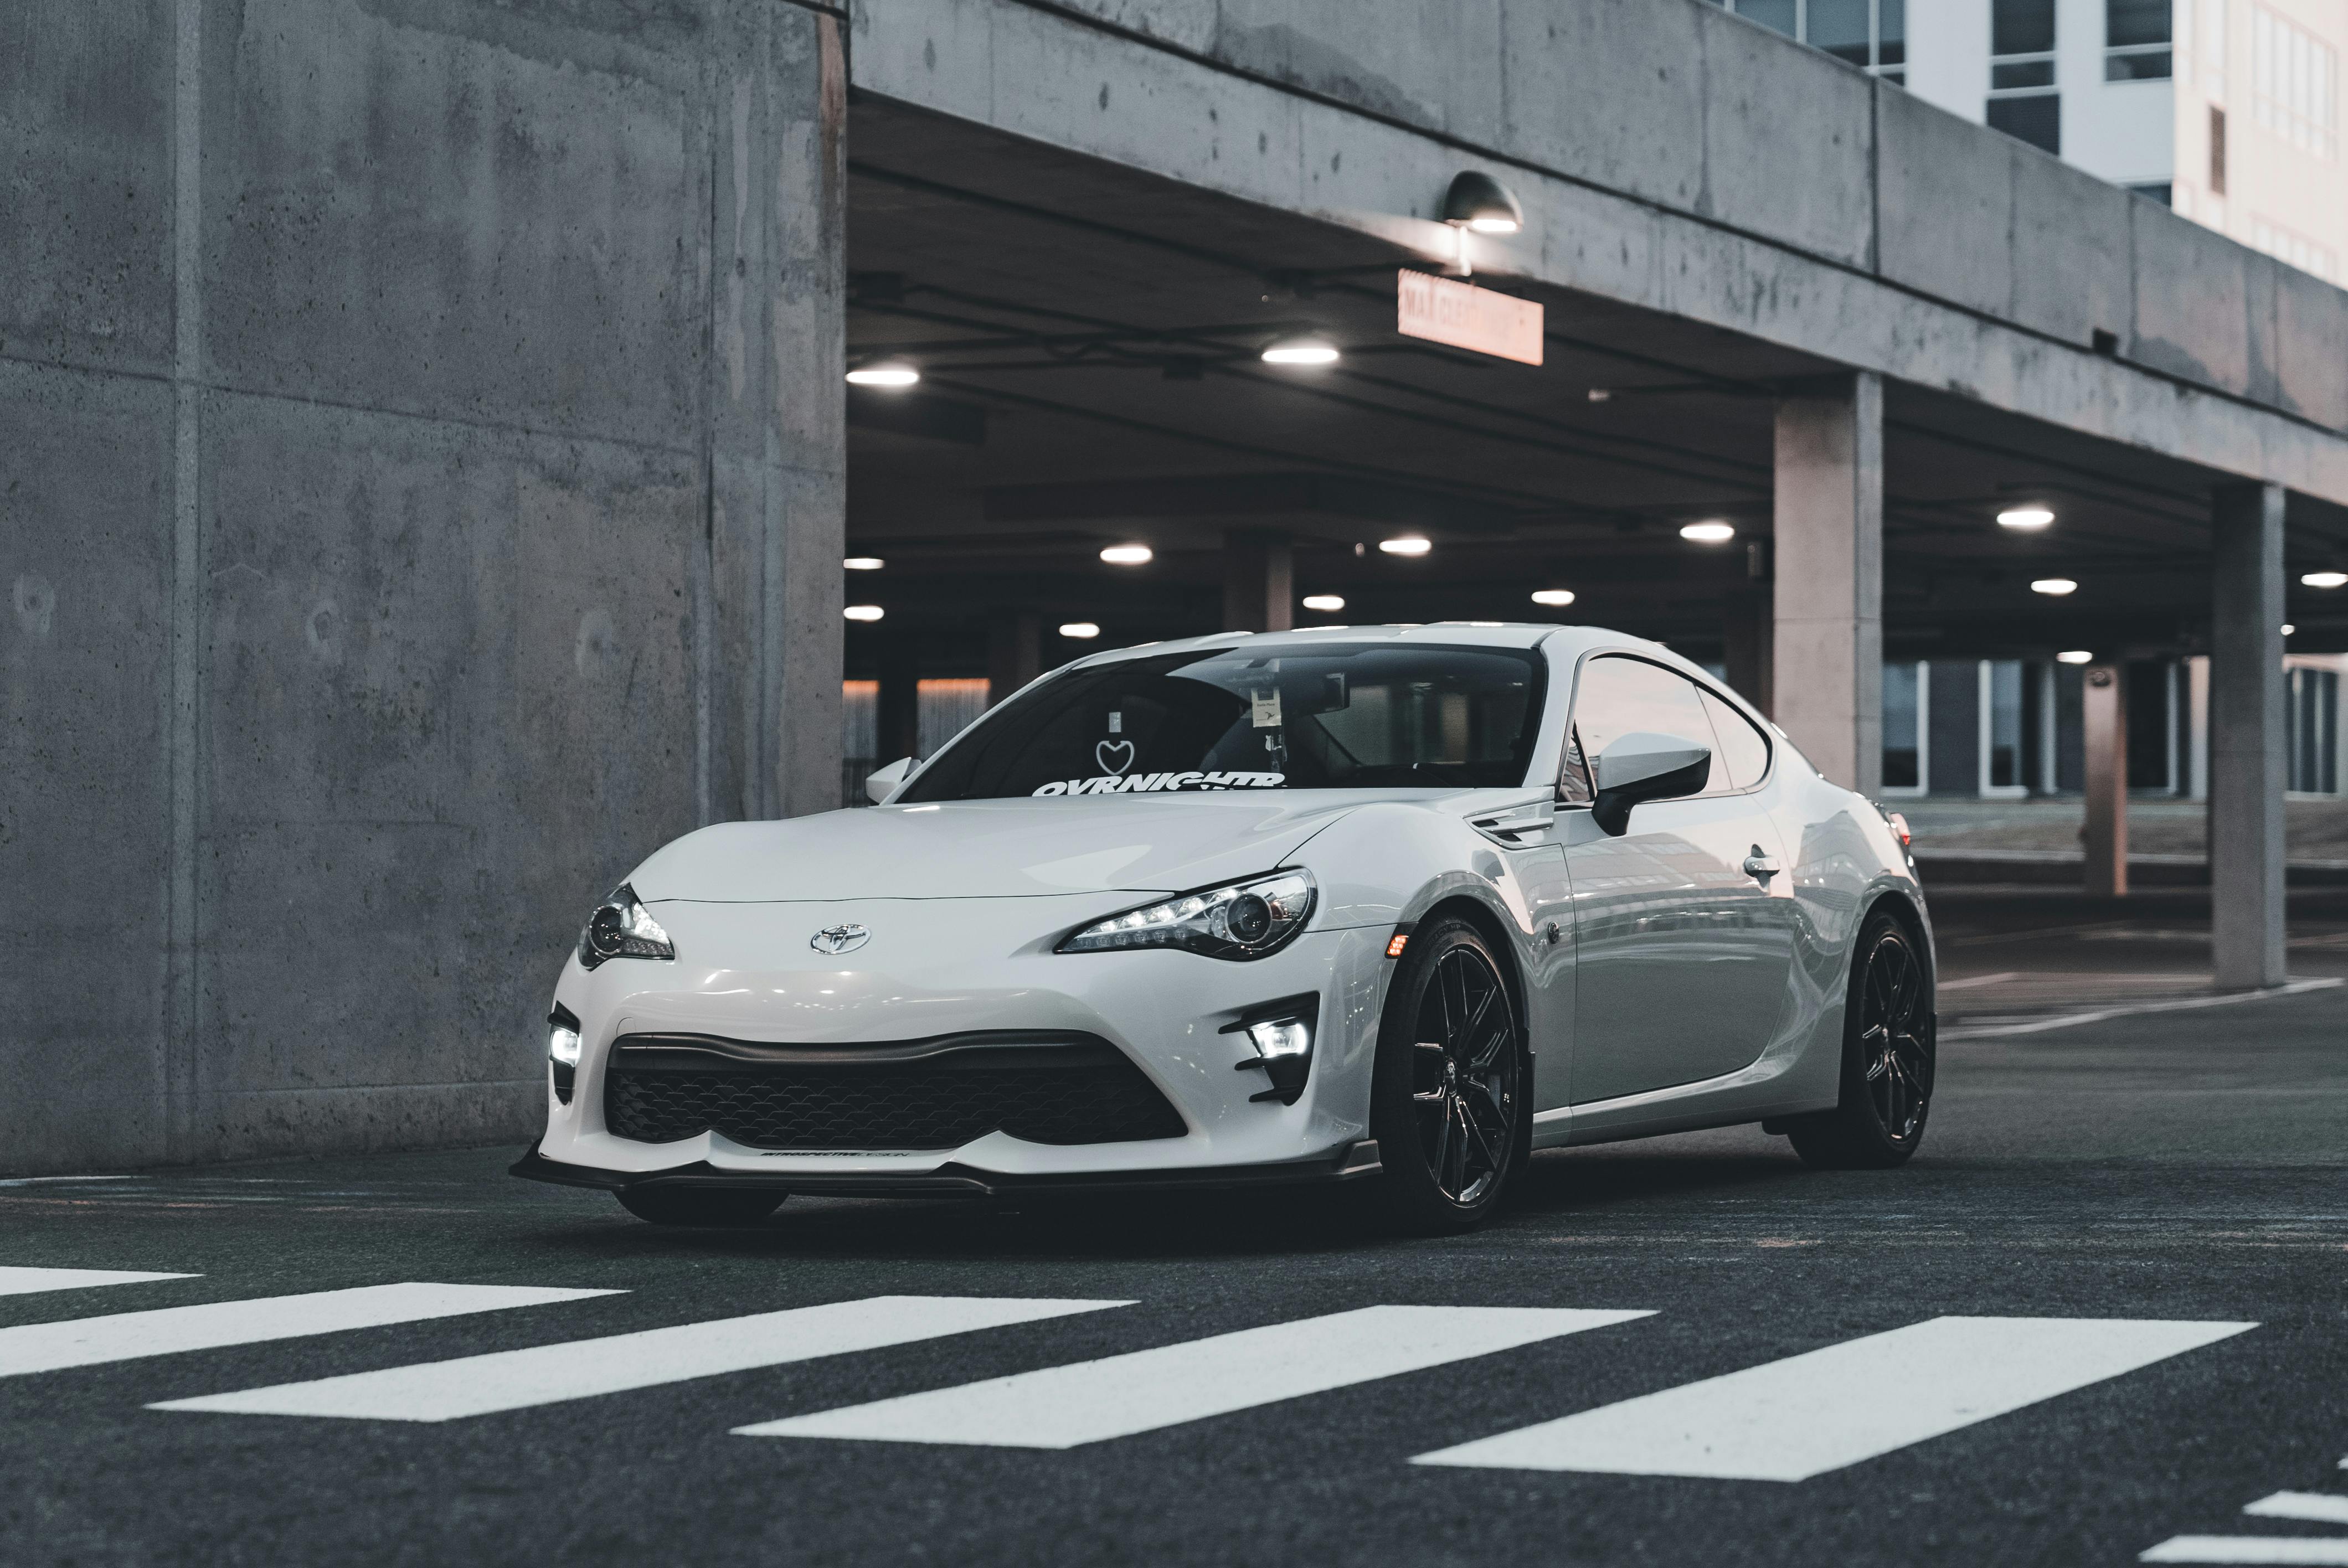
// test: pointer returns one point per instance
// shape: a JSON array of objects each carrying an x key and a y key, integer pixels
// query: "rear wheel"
[
  {"x": 1448, "y": 1101},
  {"x": 1887, "y": 1060},
  {"x": 704, "y": 1207}
]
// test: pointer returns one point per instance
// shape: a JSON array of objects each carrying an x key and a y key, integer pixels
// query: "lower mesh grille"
[{"x": 663, "y": 1089}]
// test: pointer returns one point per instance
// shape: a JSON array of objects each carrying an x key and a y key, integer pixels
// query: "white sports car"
[{"x": 1397, "y": 904}]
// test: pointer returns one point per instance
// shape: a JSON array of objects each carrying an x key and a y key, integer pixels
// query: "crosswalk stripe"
[
  {"x": 578, "y": 1369},
  {"x": 2305, "y": 1551},
  {"x": 1091, "y": 1401},
  {"x": 2316, "y": 1507},
  {"x": 1807, "y": 1414},
  {"x": 166, "y": 1331},
  {"x": 26, "y": 1281}
]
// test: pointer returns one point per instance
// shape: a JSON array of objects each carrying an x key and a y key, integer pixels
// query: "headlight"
[
  {"x": 1244, "y": 920},
  {"x": 619, "y": 928}
]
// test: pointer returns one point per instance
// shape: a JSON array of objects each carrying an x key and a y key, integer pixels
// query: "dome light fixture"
[
  {"x": 2075, "y": 656},
  {"x": 1557, "y": 598},
  {"x": 2026, "y": 519},
  {"x": 893, "y": 372},
  {"x": 1327, "y": 603},
  {"x": 1477, "y": 201},
  {"x": 2325, "y": 579},
  {"x": 863, "y": 563},
  {"x": 1128, "y": 555},
  {"x": 2056, "y": 585},
  {"x": 1710, "y": 531},
  {"x": 1304, "y": 349},
  {"x": 1079, "y": 629},
  {"x": 863, "y": 612},
  {"x": 1407, "y": 544}
]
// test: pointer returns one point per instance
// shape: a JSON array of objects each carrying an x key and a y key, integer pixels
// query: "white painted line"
[
  {"x": 26, "y": 1281},
  {"x": 168, "y": 1331},
  {"x": 1091, "y": 1402},
  {"x": 2180, "y": 1004},
  {"x": 1812, "y": 1413},
  {"x": 2319, "y": 1507},
  {"x": 548, "y": 1374},
  {"x": 2321, "y": 1552},
  {"x": 1970, "y": 981},
  {"x": 45, "y": 1181}
]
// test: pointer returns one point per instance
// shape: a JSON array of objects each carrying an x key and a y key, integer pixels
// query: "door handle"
[{"x": 1760, "y": 865}]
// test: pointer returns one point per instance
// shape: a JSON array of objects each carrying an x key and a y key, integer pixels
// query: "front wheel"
[
  {"x": 1447, "y": 1099},
  {"x": 707, "y": 1208},
  {"x": 1887, "y": 1060}
]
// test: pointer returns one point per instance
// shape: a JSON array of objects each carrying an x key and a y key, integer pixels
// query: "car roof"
[{"x": 1451, "y": 634}]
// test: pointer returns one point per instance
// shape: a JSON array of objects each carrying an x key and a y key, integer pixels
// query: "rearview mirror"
[
  {"x": 879, "y": 784},
  {"x": 1644, "y": 766}
]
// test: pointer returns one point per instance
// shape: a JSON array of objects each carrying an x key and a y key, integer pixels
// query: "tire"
[
  {"x": 1448, "y": 1100},
  {"x": 1888, "y": 1058},
  {"x": 707, "y": 1208}
]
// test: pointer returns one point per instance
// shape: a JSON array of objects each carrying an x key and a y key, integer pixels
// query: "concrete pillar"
[
  {"x": 1748, "y": 644},
  {"x": 1259, "y": 582},
  {"x": 1014, "y": 654},
  {"x": 1828, "y": 669},
  {"x": 2247, "y": 743},
  {"x": 777, "y": 438},
  {"x": 2107, "y": 751}
]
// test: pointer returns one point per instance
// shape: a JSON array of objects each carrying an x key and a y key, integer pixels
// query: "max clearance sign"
[{"x": 1443, "y": 310}]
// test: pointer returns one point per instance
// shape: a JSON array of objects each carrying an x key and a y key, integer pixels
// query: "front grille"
[{"x": 923, "y": 1095}]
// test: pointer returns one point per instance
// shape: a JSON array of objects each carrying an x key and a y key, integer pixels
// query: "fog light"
[
  {"x": 1282, "y": 1037},
  {"x": 1281, "y": 1033},
  {"x": 562, "y": 1051}
]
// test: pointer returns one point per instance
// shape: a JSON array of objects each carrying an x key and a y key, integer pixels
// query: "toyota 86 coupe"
[{"x": 1394, "y": 904}]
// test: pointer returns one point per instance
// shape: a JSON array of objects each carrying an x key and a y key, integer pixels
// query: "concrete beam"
[
  {"x": 2248, "y": 747},
  {"x": 2107, "y": 745},
  {"x": 1259, "y": 582},
  {"x": 1827, "y": 663}
]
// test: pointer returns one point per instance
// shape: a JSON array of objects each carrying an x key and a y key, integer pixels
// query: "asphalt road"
[{"x": 2183, "y": 1166}]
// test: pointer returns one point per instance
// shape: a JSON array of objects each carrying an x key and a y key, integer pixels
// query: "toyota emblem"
[{"x": 837, "y": 939}]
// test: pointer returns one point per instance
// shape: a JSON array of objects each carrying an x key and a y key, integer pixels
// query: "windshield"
[{"x": 1331, "y": 716}]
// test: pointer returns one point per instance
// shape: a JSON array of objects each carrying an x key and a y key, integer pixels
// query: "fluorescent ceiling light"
[
  {"x": 1127, "y": 555},
  {"x": 2057, "y": 586},
  {"x": 1302, "y": 351},
  {"x": 1324, "y": 601},
  {"x": 2075, "y": 656},
  {"x": 2027, "y": 519},
  {"x": 1079, "y": 629},
  {"x": 1408, "y": 545},
  {"x": 2325, "y": 579},
  {"x": 895, "y": 373},
  {"x": 862, "y": 613},
  {"x": 863, "y": 563},
  {"x": 1560, "y": 597},
  {"x": 1712, "y": 531}
]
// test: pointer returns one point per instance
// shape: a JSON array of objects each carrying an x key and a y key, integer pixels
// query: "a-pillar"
[
  {"x": 1259, "y": 582},
  {"x": 1014, "y": 654},
  {"x": 2247, "y": 743},
  {"x": 1827, "y": 676},
  {"x": 771, "y": 587},
  {"x": 2106, "y": 725}
]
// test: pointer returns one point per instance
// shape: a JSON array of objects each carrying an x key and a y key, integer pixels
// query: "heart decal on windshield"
[{"x": 1113, "y": 756}]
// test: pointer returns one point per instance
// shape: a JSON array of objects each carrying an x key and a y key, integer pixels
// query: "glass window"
[
  {"x": 1317, "y": 715},
  {"x": 2037, "y": 120},
  {"x": 1902, "y": 759},
  {"x": 1841, "y": 28},
  {"x": 1892, "y": 47},
  {"x": 2022, "y": 26},
  {"x": 1778, "y": 14},
  {"x": 1618, "y": 696},
  {"x": 1742, "y": 751},
  {"x": 2127, "y": 22},
  {"x": 2002, "y": 722}
]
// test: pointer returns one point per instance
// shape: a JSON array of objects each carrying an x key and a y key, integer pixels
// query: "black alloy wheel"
[
  {"x": 1449, "y": 1105},
  {"x": 1888, "y": 1058}
]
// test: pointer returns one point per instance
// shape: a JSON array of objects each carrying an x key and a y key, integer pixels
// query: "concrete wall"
[
  {"x": 403, "y": 534},
  {"x": 1675, "y": 157}
]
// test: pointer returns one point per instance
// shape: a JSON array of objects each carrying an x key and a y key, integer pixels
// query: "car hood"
[{"x": 993, "y": 849}]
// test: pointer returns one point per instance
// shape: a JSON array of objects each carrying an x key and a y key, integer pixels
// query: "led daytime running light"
[
  {"x": 621, "y": 929},
  {"x": 1243, "y": 920}
]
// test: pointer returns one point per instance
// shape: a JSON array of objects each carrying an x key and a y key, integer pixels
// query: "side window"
[
  {"x": 1617, "y": 695},
  {"x": 1743, "y": 750}
]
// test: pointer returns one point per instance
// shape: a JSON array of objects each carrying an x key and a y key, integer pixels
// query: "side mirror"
[
  {"x": 879, "y": 785},
  {"x": 1642, "y": 766}
]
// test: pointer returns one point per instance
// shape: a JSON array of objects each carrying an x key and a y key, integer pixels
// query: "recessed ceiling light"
[
  {"x": 863, "y": 563},
  {"x": 2026, "y": 519},
  {"x": 2057, "y": 586},
  {"x": 1324, "y": 601},
  {"x": 2326, "y": 579},
  {"x": 1560, "y": 597},
  {"x": 2287, "y": 629},
  {"x": 1127, "y": 555},
  {"x": 2075, "y": 656},
  {"x": 1079, "y": 629},
  {"x": 862, "y": 613},
  {"x": 1712, "y": 531},
  {"x": 894, "y": 373},
  {"x": 1408, "y": 545},
  {"x": 1302, "y": 351}
]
